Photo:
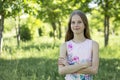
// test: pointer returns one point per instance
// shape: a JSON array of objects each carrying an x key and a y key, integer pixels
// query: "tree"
[
  {"x": 51, "y": 13},
  {"x": 56, "y": 11},
  {"x": 19, "y": 8},
  {"x": 109, "y": 9},
  {"x": 15, "y": 8},
  {"x": 4, "y": 12}
]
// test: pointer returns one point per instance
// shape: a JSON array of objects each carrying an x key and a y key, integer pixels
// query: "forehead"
[{"x": 75, "y": 17}]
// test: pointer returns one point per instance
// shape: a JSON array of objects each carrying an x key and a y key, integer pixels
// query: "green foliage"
[
  {"x": 31, "y": 29},
  {"x": 115, "y": 26},
  {"x": 46, "y": 29},
  {"x": 25, "y": 34},
  {"x": 51, "y": 34},
  {"x": 56, "y": 12},
  {"x": 96, "y": 21},
  {"x": 31, "y": 60},
  {"x": 33, "y": 24},
  {"x": 9, "y": 24},
  {"x": 110, "y": 8},
  {"x": 40, "y": 31}
]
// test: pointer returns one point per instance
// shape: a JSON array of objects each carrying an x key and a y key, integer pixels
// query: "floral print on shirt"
[
  {"x": 70, "y": 47},
  {"x": 75, "y": 60}
]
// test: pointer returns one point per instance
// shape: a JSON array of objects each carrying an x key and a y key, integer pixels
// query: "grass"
[{"x": 37, "y": 60}]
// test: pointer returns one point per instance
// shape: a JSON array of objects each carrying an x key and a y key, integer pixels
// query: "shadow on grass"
[
  {"x": 29, "y": 69},
  {"x": 46, "y": 69},
  {"x": 33, "y": 46},
  {"x": 109, "y": 69},
  {"x": 39, "y": 47}
]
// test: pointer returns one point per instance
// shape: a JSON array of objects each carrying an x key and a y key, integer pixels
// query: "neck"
[{"x": 79, "y": 38}]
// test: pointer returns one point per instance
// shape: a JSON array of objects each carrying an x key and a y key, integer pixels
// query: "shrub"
[
  {"x": 40, "y": 32},
  {"x": 51, "y": 34},
  {"x": 25, "y": 33}
]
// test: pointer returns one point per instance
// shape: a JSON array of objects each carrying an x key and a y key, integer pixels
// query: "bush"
[
  {"x": 51, "y": 34},
  {"x": 25, "y": 33},
  {"x": 40, "y": 32}
]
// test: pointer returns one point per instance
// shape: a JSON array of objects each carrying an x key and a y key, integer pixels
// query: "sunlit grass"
[
  {"x": 112, "y": 50},
  {"x": 40, "y": 47},
  {"x": 37, "y": 59}
]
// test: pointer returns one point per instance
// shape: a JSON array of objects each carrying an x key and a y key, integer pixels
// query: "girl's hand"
[
  {"x": 62, "y": 61},
  {"x": 88, "y": 63}
]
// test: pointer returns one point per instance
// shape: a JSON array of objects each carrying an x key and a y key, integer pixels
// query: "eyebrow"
[{"x": 77, "y": 20}]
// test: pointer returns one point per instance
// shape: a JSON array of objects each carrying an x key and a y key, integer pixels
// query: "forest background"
[{"x": 31, "y": 32}]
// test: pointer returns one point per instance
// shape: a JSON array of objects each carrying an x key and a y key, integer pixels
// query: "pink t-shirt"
[{"x": 79, "y": 53}]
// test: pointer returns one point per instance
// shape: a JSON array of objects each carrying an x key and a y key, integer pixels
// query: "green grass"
[{"x": 37, "y": 60}]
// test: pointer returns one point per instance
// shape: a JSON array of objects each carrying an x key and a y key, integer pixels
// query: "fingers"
[
  {"x": 61, "y": 58},
  {"x": 89, "y": 63},
  {"x": 61, "y": 61}
]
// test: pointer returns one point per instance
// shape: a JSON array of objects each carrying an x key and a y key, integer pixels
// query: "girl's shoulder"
[
  {"x": 95, "y": 43},
  {"x": 64, "y": 44}
]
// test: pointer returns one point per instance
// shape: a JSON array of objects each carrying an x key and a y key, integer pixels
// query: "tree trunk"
[
  {"x": 60, "y": 34},
  {"x": 54, "y": 34},
  {"x": 1, "y": 31},
  {"x": 54, "y": 29},
  {"x": 106, "y": 25},
  {"x": 18, "y": 32},
  {"x": 16, "y": 28},
  {"x": 106, "y": 30}
]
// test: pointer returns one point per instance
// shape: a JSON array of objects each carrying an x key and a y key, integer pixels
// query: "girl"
[{"x": 79, "y": 58}]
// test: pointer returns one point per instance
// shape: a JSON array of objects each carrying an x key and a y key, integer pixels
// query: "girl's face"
[{"x": 77, "y": 25}]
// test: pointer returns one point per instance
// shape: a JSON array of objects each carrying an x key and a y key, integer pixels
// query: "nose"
[{"x": 76, "y": 24}]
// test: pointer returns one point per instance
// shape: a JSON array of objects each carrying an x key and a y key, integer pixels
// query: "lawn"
[{"x": 37, "y": 60}]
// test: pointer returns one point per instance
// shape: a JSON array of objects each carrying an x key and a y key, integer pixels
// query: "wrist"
[
  {"x": 66, "y": 64},
  {"x": 83, "y": 65}
]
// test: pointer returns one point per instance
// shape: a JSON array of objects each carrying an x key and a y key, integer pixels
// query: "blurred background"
[{"x": 31, "y": 32}]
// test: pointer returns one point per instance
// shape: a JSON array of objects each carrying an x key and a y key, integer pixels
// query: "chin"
[{"x": 76, "y": 32}]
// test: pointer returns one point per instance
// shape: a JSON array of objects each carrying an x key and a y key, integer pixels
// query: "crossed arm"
[{"x": 81, "y": 68}]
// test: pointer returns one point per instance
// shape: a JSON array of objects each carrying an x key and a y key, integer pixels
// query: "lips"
[{"x": 76, "y": 28}]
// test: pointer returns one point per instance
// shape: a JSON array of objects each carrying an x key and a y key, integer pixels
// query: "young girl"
[{"x": 79, "y": 58}]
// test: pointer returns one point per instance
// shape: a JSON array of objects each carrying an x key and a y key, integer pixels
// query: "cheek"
[
  {"x": 82, "y": 26},
  {"x": 72, "y": 27}
]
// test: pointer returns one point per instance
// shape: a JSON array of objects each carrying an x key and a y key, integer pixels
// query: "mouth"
[{"x": 76, "y": 28}]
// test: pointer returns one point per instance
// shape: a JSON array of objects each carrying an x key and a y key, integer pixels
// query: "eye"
[
  {"x": 79, "y": 21},
  {"x": 72, "y": 22}
]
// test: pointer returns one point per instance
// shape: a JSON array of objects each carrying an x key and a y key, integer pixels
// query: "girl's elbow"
[
  {"x": 61, "y": 72},
  {"x": 95, "y": 71}
]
